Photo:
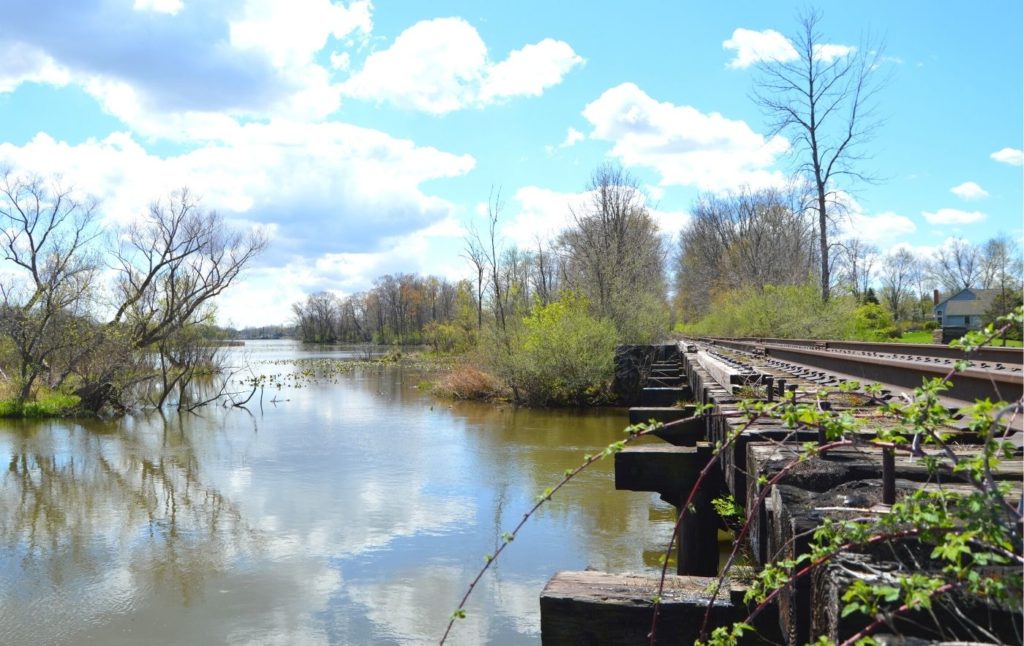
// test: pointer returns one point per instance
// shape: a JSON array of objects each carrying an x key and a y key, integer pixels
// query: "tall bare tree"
[
  {"x": 823, "y": 99},
  {"x": 475, "y": 253}
]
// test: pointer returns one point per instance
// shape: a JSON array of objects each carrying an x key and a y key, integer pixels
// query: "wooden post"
[
  {"x": 888, "y": 476},
  {"x": 698, "y": 533}
]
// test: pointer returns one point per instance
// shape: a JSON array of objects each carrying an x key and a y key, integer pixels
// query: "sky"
[{"x": 367, "y": 138}]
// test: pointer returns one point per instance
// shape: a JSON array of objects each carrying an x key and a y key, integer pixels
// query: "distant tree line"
[{"x": 399, "y": 308}]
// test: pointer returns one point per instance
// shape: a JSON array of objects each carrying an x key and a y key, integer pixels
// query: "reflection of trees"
[{"x": 74, "y": 502}]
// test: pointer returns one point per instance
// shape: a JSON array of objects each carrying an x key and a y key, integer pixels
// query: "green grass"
[
  {"x": 51, "y": 405},
  {"x": 918, "y": 336},
  {"x": 925, "y": 336}
]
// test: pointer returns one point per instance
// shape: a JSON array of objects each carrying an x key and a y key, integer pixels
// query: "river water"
[{"x": 351, "y": 510}]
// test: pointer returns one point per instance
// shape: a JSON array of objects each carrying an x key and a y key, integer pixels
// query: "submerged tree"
[{"x": 822, "y": 96}]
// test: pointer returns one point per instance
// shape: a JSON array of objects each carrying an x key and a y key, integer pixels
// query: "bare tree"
[
  {"x": 173, "y": 262},
  {"x": 899, "y": 271},
  {"x": 822, "y": 99},
  {"x": 474, "y": 252},
  {"x": 858, "y": 261},
  {"x": 613, "y": 253},
  {"x": 1001, "y": 264},
  {"x": 545, "y": 274},
  {"x": 45, "y": 233},
  {"x": 957, "y": 266},
  {"x": 742, "y": 239},
  {"x": 318, "y": 318}
]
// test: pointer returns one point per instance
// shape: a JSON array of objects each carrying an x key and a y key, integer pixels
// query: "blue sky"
[{"x": 364, "y": 138}]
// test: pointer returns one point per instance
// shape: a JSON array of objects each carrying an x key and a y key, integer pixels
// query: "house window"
[{"x": 967, "y": 320}]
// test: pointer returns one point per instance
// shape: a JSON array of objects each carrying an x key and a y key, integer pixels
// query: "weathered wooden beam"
[
  {"x": 684, "y": 433},
  {"x": 830, "y": 583},
  {"x": 672, "y": 471},
  {"x": 723, "y": 373},
  {"x": 668, "y": 470},
  {"x": 661, "y": 414},
  {"x": 602, "y": 609},
  {"x": 664, "y": 396}
]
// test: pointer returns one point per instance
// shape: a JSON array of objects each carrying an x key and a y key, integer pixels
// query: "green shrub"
[
  {"x": 786, "y": 311},
  {"x": 449, "y": 338},
  {"x": 872, "y": 322},
  {"x": 559, "y": 355}
]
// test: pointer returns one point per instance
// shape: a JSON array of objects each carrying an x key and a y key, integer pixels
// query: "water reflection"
[
  {"x": 345, "y": 513},
  {"x": 91, "y": 518}
]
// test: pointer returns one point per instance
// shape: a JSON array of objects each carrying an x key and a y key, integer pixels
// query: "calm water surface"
[{"x": 350, "y": 512}]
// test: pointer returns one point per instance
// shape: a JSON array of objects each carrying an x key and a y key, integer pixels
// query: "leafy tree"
[{"x": 1005, "y": 302}]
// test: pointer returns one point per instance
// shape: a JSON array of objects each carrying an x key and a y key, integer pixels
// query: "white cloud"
[
  {"x": 1012, "y": 156},
  {"x": 880, "y": 228},
  {"x": 27, "y": 64},
  {"x": 684, "y": 145},
  {"x": 529, "y": 71},
  {"x": 168, "y": 77},
  {"x": 969, "y": 191},
  {"x": 544, "y": 213},
  {"x": 169, "y": 7},
  {"x": 829, "y": 52},
  {"x": 322, "y": 189},
  {"x": 952, "y": 216},
  {"x": 572, "y": 137},
  {"x": 441, "y": 65},
  {"x": 292, "y": 32},
  {"x": 754, "y": 47},
  {"x": 340, "y": 62}
]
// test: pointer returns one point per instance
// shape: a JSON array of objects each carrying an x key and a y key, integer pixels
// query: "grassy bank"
[{"x": 45, "y": 405}]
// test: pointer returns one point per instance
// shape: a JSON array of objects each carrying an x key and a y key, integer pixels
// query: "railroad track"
[{"x": 993, "y": 373}]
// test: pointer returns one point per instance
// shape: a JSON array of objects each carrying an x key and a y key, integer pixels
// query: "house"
[{"x": 964, "y": 309}]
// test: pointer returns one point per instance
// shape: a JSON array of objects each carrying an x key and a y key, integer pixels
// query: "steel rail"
[
  {"x": 1006, "y": 356},
  {"x": 968, "y": 385}
]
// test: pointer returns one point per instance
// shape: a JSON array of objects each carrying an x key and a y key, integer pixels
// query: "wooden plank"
[
  {"x": 602, "y": 609},
  {"x": 722, "y": 372}
]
